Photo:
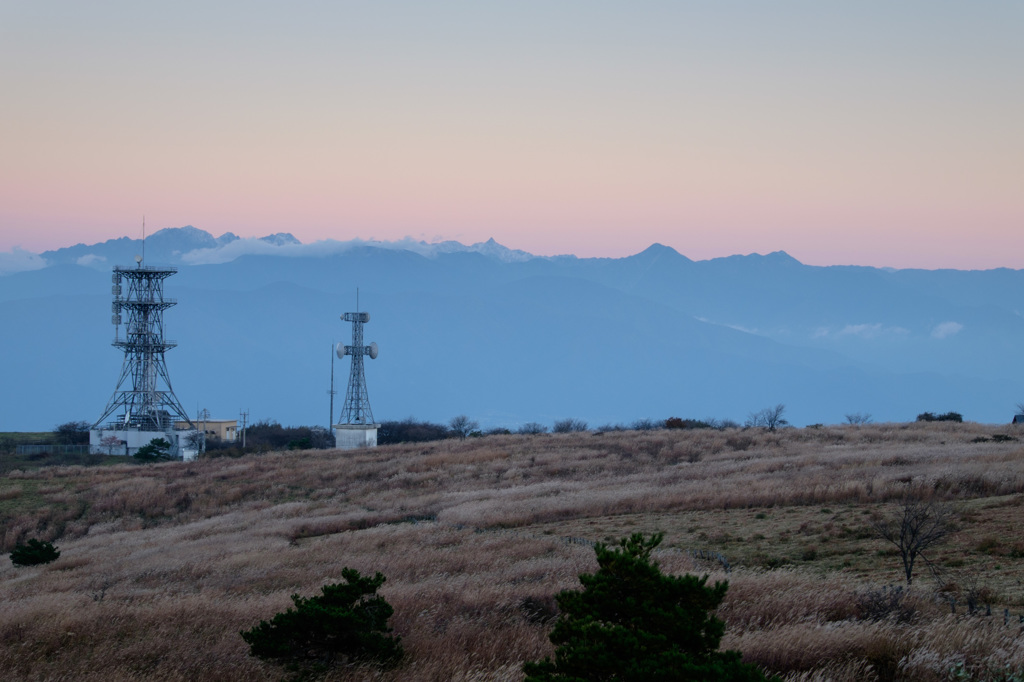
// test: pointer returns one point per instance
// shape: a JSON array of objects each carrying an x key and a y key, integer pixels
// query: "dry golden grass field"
[{"x": 163, "y": 564}]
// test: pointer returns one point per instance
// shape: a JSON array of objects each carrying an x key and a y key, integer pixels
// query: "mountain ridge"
[{"x": 485, "y": 331}]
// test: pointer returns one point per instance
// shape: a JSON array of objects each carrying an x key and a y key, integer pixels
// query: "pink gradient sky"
[{"x": 855, "y": 133}]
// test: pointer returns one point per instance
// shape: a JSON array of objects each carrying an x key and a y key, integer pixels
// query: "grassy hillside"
[
  {"x": 10, "y": 460},
  {"x": 163, "y": 564}
]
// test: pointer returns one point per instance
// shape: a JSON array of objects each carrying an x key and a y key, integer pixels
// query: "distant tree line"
[
  {"x": 411, "y": 430},
  {"x": 267, "y": 435},
  {"x": 947, "y": 417}
]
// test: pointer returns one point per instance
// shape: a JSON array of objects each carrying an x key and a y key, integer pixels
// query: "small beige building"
[{"x": 225, "y": 430}]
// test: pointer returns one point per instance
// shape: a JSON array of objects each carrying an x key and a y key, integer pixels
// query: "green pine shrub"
[
  {"x": 33, "y": 553},
  {"x": 347, "y": 623},
  {"x": 632, "y": 623},
  {"x": 157, "y": 450}
]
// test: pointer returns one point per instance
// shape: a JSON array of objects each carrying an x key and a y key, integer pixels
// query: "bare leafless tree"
[
  {"x": 461, "y": 426},
  {"x": 111, "y": 442},
  {"x": 195, "y": 440},
  {"x": 569, "y": 425},
  {"x": 858, "y": 418},
  {"x": 914, "y": 526},
  {"x": 769, "y": 417}
]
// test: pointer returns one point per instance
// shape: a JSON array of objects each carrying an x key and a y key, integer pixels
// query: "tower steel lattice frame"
[
  {"x": 143, "y": 398},
  {"x": 356, "y": 409}
]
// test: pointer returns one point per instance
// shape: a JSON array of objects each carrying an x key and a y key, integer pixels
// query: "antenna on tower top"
[{"x": 143, "y": 240}]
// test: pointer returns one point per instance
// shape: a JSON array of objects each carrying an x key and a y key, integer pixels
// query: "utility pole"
[
  {"x": 244, "y": 416},
  {"x": 203, "y": 415},
  {"x": 330, "y": 422}
]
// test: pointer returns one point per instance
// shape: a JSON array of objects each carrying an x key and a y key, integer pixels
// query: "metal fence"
[{"x": 55, "y": 449}]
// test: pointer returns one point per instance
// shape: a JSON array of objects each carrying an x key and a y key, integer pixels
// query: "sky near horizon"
[{"x": 872, "y": 133}]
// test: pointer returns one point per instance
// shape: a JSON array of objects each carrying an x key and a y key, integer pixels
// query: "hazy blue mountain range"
[{"x": 507, "y": 338}]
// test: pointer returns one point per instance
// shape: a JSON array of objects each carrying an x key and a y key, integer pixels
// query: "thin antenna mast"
[
  {"x": 244, "y": 415},
  {"x": 143, "y": 241},
  {"x": 332, "y": 391}
]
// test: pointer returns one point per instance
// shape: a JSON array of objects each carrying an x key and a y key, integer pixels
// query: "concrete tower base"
[
  {"x": 355, "y": 436},
  {"x": 128, "y": 441}
]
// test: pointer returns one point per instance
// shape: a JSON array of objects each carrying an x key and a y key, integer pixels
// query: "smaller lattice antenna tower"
[{"x": 356, "y": 427}]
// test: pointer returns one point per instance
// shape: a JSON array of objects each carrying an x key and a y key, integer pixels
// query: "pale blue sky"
[{"x": 867, "y": 132}]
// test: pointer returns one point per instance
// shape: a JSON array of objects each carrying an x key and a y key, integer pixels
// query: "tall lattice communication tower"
[
  {"x": 356, "y": 427},
  {"x": 143, "y": 400}
]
